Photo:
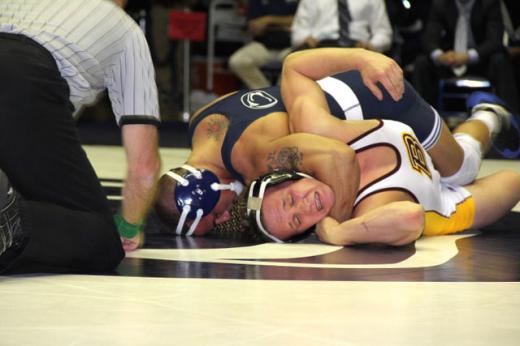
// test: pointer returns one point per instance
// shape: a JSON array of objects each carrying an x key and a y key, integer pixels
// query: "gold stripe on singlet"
[{"x": 460, "y": 220}]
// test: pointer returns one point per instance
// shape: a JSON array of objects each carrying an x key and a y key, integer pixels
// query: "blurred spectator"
[
  {"x": 512, "y": 25},
  {"x": 408, "y": 18},
  {"x": 455, "y": 48},
  {"x": 342, "y": 23},
  {"x": 269, "y": 23}
]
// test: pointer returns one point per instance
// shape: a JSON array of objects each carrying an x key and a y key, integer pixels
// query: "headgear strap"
[
  {"x": 197, "y": 195},
  {"x": 257, "y": 191}
]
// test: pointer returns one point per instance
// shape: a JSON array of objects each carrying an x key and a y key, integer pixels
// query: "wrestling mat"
[{"x": 460, "y": 289}]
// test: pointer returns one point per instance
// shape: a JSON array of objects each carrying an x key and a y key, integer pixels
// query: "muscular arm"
[
  {"x": 326, "y": 159},
  {"x": 141, "y": 149},
  {"x": 302, "y": 68},
  {"x": 303, "y": 96},
  {"x": 397, "y": 223}
]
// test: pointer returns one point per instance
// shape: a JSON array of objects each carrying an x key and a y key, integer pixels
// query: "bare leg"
[
  {"x": 494, "y": 196},
  {"x": 458, "y": 157},
  {"x": 447, "y": 154}
]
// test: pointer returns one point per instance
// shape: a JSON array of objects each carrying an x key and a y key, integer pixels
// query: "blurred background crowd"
[{"x": 447, "y": 48}]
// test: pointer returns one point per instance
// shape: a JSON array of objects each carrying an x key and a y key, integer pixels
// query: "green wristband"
[{"x": 125, "y": 229}]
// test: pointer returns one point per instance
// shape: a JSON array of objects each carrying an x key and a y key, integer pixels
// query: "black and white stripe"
[{"x": 96, "y": 47}]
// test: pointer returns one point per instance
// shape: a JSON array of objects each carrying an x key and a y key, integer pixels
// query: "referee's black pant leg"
[
  {"x": 65, "y": 240},
  {"x": 63, "y": 207}
]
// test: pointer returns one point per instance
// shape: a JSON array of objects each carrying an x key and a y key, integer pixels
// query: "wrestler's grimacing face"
[{"x": 290, "y": 208}]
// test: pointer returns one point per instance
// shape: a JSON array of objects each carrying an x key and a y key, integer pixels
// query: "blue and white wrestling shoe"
[{"x": 507, "y": 143}]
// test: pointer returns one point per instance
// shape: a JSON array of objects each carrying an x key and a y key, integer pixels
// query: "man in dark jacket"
[{"x": 464, "y": 37}]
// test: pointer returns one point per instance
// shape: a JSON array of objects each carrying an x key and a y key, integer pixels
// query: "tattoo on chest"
[
  {"x": 285, "y": 158},
  {"x": 215, "y": 128}
]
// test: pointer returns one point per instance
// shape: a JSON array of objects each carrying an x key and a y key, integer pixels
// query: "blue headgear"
[
  {"x": 197, "y": 193},
  {"x": 256, "y": 194}
]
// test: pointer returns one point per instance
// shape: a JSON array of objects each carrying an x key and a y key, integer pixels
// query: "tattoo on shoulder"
[
  {"x": 215, "y": 128},
  {"x": 285, "y": 158}
]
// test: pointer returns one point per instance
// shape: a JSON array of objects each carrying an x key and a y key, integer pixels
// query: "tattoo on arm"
[
  {"x": 285, "y": 158},
  {"x": 215, "y": 128}
]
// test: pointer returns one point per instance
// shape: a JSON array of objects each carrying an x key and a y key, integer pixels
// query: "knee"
[
  {"x": 113, "y": 256},
  {"x": 233, "y": 62},
  {"x": 107, "y": 260},
  {"x": 411, "y": 223},
  {"x": 513, "y": 181},
  {"x": 471, "y": 163},
  {"x": 106, "y": 250},
  {"x": 239, "y": 61}
]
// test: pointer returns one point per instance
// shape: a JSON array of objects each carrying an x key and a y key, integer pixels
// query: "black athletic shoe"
[{"x": 12, "y": 238}]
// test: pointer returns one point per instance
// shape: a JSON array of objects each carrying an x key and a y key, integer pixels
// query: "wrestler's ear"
[{"x": 225, "y": 216}]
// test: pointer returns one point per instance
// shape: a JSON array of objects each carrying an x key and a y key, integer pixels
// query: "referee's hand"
[{"x": 131, "y": 244}]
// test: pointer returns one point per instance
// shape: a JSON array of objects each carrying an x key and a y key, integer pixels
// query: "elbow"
[
  {"x": 288, "y": 65},
  {"x": 289, "y": 60},
  {"x": 412, "y": 223},
  {"x": 293, "y": 60}
]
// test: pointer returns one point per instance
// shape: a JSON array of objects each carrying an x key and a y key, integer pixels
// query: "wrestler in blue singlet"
[{"x": 348, "y": 98}]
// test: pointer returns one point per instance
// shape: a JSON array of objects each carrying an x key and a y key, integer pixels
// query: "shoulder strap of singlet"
[
  {"x": 241, "y": 109},
  {"x": 389, "y": 134}
]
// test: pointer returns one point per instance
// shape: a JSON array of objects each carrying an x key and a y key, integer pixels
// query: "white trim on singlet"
[
  {"x": 344, "y": 96},
  {"x": 429, "y": 190},
  {"x": 350, "y": 105},
  {"x": 435, "y": 134},
  {"x": 96, "y": 47}
]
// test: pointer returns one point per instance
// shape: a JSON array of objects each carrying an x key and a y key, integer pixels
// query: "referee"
[{"x": 56, "y": 56}]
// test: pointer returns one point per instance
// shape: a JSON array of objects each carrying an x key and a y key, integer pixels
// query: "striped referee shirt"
[{"x": 96, "y": 46}]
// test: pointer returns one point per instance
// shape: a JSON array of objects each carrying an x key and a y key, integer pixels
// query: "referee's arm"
[{"x": 140, "y": 142}]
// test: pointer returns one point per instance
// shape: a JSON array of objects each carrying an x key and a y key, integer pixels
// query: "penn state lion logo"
[
  {"x": 258, "y": 99},
  {"x": 416, "y": 154}
]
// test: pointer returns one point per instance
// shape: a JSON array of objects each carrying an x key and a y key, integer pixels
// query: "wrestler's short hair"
[
  {"x": 239, "y": 226},
  {"x": 165, "y": 206}
]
